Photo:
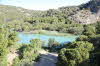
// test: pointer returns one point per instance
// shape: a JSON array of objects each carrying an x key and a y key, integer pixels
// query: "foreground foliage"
[
  {"x": 85, "y": 51},
  {"x": 29, "y": 54}
]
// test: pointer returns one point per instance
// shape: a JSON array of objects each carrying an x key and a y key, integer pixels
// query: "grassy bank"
[{"x": 49, "y": 33}]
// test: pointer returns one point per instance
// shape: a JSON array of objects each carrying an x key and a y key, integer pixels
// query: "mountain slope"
[
  {"x": 10, "y": 13},
  {"x": 83, "y": 14},
  {"x": 88, "y": 13},
  {"x": 93, "y": 5}
]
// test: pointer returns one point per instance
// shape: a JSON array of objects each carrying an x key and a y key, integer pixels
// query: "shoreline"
[{"x": 45, "y": 32}]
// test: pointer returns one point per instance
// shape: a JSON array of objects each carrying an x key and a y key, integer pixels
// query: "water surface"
[{"x": 25, "y": 38}]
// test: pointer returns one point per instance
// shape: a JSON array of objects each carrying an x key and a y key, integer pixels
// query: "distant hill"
[
  {"x": 92, "y": 5},
  {"x": 10, "y": 13},
  {"x": 84, "y": 14},
  {"x": 88, "y": 13}
]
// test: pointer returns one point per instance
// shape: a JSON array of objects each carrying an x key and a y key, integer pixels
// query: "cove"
[{"x": 25, "y": 38}]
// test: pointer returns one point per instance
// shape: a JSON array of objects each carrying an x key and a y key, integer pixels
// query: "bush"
[
  {"x": 82, "y": 38},
  {"x": 75, "y": 54},
  {"x": 53, "y": 45}
]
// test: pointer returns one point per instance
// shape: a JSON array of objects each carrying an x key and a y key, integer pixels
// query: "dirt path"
[
  {"x": 47, "y": 59},
  {"x": 11, "y": 57}
]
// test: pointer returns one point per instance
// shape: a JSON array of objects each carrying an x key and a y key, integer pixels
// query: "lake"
[{"x": 25, "y": 38}]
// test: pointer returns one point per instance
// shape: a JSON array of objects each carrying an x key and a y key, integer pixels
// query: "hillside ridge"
[{"x": 83, "y": 14}]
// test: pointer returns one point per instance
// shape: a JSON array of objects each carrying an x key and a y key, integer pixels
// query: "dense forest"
[{"x": 84, "y": 51}]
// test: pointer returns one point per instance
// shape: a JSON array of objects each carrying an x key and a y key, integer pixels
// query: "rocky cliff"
[{"x": 88, "y": 13}]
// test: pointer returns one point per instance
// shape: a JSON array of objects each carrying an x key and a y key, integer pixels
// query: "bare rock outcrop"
[{"x": 88, "y": 13}]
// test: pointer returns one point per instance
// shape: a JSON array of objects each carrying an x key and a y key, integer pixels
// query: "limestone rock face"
[
  {"x": 98, "y": 14},
  {"x": 92, "y": 5},
  {"x": 88, "y": 13},
  {"x": 84, "y": 17}
]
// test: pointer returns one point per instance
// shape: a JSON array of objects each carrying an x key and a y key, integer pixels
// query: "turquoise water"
[{"x": 25, "y": 38}]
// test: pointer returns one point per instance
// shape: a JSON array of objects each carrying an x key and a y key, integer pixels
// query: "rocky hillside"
[
  {"x": 84, "y": 14},
  {"x": 92, "y": 5},
  {"x": 88, "y": 13}
]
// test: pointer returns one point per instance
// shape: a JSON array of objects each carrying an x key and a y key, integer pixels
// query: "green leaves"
[
  {"x": 36, "y": 43},
  {"x": 29, "y": 53},
  {"x": 82, "y": 45},
  {"x": 98, "y": 27},
  {"x": 82, "y": 38},
  {"x": 53, "y": 45},
  {"x": 89, "y": 30},
  {"x": 7, "y": 39},
  {"x": 75, "y": 53}
]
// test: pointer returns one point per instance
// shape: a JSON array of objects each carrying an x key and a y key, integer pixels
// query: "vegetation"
[
  {"x": 85, "y": 51},
  {"x": 29, "y": 54},
  {"x": 75, "y": 54},
  {"x": 53, "y": 45},
  {"x": 7, "y": 39},
  {"x": 52, "y": 20}
]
